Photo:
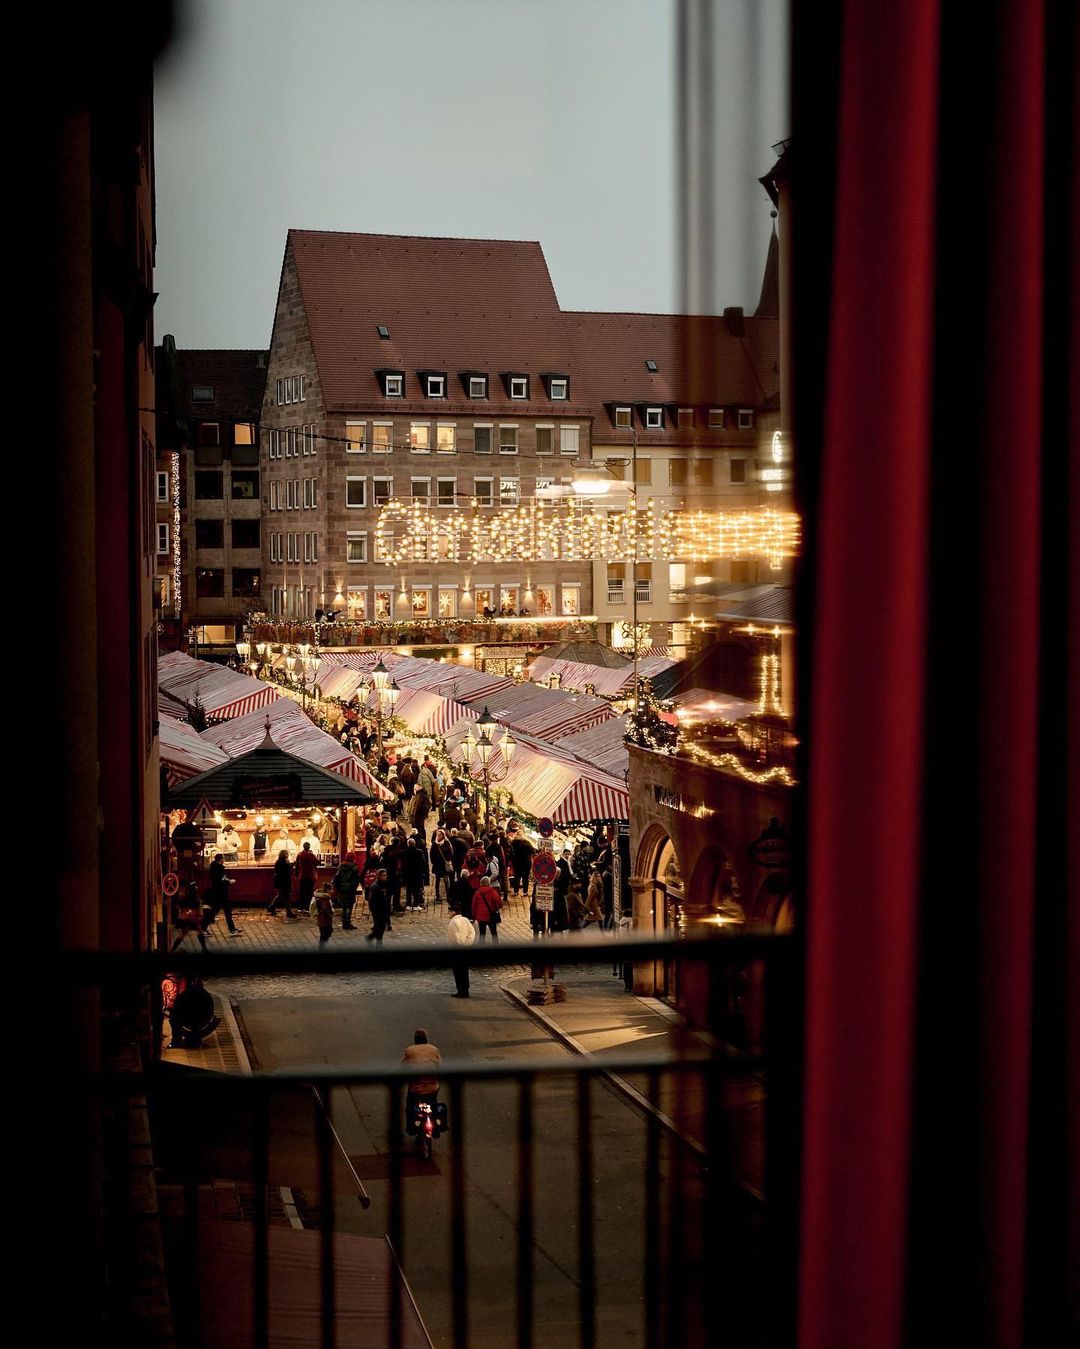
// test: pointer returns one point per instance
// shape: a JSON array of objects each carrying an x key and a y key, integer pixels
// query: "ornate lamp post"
[
  {"x": 387, "y": 693},
  {"x": 493, "y": 766}
]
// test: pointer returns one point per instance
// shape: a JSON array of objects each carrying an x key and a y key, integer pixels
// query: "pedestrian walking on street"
[
  {"x": 523, "y": 852},
  {"x": 379, "y": 905},
  {"x": 413, "y": 874},
  {"x": 218, "y": 894},
  {"x": 442, "y": 862},
  {"x": 282, "y": 885},
  {"x": 324, "y": 913},
  {"x": 307, "y": 870},
  {"x": 460, "y": 933},
  {"x": 486, "y": 905},
  {"x": 594, "y": 900},
  {"x": 188, "y": 916},
  {"x": 346, "y": 884}
]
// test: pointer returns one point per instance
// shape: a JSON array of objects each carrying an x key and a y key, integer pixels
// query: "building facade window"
[
  {"x": 478, "y": 386},
  {"x": 163, "y": 540},
  {"x": 482, "y": 438},
  {"x": 384, "y": 602},
  {"x": 355, "y": 493},
  {"x": 356, "y": 602},
  {"x": 701, "y": 470},
  {"x": 569, "y": 440},
  {"x": 421, "y": 491},
  {"x": 677, "y": 472},
  {"x": 421, "y": 601},
  {"x": 420, "y": 437},
  {"x": 746, "y": 419},
  {"x": 545, "y": 440},
  {"x": 571, "y": 600},
  {"x": 482, "y": 491},
  {"x": 208, "y": 486},
  {"x": 446, "y": 491},
  {"x": 436, "y": 386},
  {"x": 245, "y": 533},
  {"x": 209, "y": 583},
  {"x": 560, "y": 389},
  {"x": 446, "y": 438},
  {"x": 545, "y": 600},
  {"x": 355, "y": 437},
  {"x": 204, "y": 393},
  {"x": 737, "y": 471},
  {"x": 508, "y": 439},
  {"x": 686, "y": 419},
  {"x": 382, "y": 437},
  {"x": 163, "y": 487},
  {"x": 382, "y": 489},
  {"x": 716, "y": 419},
  {"x": 356, "y": 546},
  {"x": 519, "y": 386},
  {"x": 643, "y": 471},
  {"x": 243, "y": 433},
  {"x": 448, "y": 602},
  {"x": 509, "y": 491},
  {"x": 245, "y": 485},
  {"x": 654, "y": 419},
  {"x": 394, "y": 386},
  {"x": 677, "y": 580},
  {"x": 624, "y": 418},
  {"x": 209, "y": 533},
  {"x": 246, "y": 583}
]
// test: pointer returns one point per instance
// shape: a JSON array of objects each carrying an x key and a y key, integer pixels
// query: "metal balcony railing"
[{"x": 698, "y": 1196}]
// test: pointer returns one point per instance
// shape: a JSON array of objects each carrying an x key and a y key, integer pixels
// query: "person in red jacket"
[
  {"x": 307, "y": 867},
  {"x": 486, "y": 905}
]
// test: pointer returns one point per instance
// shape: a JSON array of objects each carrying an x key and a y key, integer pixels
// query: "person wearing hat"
[{"x": 346, "y": 884}]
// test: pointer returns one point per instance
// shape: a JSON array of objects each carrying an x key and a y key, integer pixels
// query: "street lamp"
[{"x": 493, "y": 767}]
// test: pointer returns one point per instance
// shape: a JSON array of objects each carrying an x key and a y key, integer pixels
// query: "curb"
[{"x": 620, "y": 1084}]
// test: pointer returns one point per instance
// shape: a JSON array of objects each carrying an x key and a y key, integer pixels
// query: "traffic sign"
[
  {"x": 545, "y": 898},
  {"x": 544, "y": 868},
  {"x": 170, "y": 883},
  {"x": 545, "y": 827},
  {"x": 202, "y": 813}
]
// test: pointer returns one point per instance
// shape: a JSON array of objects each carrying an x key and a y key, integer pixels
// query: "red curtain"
[{"x": 936, "y": 171}]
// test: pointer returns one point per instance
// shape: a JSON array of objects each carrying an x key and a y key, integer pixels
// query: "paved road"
[{"x": 367, "y": 1020}]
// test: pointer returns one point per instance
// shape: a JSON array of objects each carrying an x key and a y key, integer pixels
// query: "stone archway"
[
  {"x": 658, "y": 890},
  {"x": 713, "y": 894}
]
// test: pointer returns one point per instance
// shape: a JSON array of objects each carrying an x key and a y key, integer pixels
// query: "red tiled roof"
[
  {"x": 700, "y": 363},
  {"x": 485, "y": 305},
  {"x": 236, "y": 377}
]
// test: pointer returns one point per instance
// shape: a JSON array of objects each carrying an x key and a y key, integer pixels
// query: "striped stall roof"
[
  {"x": 702, "y": 702},
  {"x": 222, "y": 692},
  {"x": 607, "y": 681},
  {"x": 184, "y": 753},
  {"x": 602, "y": 745},
  {"x": 295, "y": 732}
]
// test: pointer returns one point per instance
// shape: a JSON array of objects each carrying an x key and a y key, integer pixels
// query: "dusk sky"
[{"x": 521, "y": 119}]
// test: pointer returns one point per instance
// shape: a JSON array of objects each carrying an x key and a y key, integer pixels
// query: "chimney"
[{"x": 733, "y": 317}]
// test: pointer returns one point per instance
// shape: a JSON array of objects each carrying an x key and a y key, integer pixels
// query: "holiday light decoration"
[
  {"x": 732, "y": 764},
  {"x": 174, "y": 470},
  {"x": 770, "y": 685},
  {"x": 576, "y": 530}
]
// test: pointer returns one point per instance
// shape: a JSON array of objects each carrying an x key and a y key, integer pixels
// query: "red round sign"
[
  {"x": 544, "y": 868},
  {"x": 545, "y": 827},
  {"x": 170, "y": 883}
]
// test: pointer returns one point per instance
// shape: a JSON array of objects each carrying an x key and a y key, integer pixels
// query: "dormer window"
[
  {"x": 686, "y": 418},
  {"x": 624, "y": 418},
  {"x": 519, "y": 386},
  {"x": 393, "y": 383},
  {"x": 654, "y": 419},
  {"x": 746, "y": 419},
  {"x": 478, "y": 386},
  {"x": 204, "y": 393},
  {"x": 558, "y": 387},
  {"x": 435, "y": 386},
  {"x": 716, "y": 419}
]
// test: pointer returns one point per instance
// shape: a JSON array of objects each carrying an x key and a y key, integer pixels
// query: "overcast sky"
[{"x": 510, "y": 119}]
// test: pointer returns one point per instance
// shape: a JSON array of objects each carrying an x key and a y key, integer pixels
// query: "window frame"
[
  {"x": 515, "y": 380},
  {"x": 509, "y": 426},
  {"x": 439, "y": 483},
  {"x": 414, "y": 427},
  {"x": 654, "y": 417},
  {"x": 430, "y": 380},
  {"x": 517, "y": 492},
  {"x": 490, "y": 502},
  {"x": 377, "y": 482},
  {"x": 167, "y": 549},
  {"x": 356, "y": 505},
  {"x": 446, "y": 426},
  {"x": 562, "y": 382},
  {"x": 482, "y": 380},
  {"x": 716, "y": 419},
  {"x": 575, "y": 432},
  {"x": 489, "y": 427},
  {"x": 746, "y": 419},
  {"x": 398, "y": 391},
  {"x": 359, "y": 537}
]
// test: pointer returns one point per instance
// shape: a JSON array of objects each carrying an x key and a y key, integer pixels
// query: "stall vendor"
[
  {"x": 312, "y": 839},
  {"x": 229, "y": 843},
  {"x": 283, "y": 843}
]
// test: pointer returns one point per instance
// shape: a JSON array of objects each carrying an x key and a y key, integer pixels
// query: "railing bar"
[
  {"x": 676, "y": 1255},
  {"x": 586, "y": 1235},
  {"x": 459, "y": 1255},
  {"x": 525, "y": 1213},
  {"x": 191, "y": 1232},
  {"x": 781, "y": 1143},
  {"x": 396, "y": 1217},
  {"x": 260, "y": 1151},
  {"x": 652, "y": 1219},
  {"x": 327, "y": 1217}
]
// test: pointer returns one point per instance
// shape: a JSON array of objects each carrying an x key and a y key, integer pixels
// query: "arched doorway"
[{"x": 659, "y": 904}]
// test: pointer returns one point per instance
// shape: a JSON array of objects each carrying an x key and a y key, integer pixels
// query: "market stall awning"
[
  {"x": 546, "y": 780},
  {"x": 295, "y": 732},
  {"x": 609, "y": 682},
  {"x": 184, "y": 753},
  {"x": 221, "y": 691},
  {"x": 269, "y": 775},
  {"x": 602, "y": 745}
]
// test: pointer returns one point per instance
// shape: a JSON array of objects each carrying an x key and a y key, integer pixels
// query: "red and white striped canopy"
[
  {"x": 222, "y": 692},
  {"x": 184, "y": 753}
]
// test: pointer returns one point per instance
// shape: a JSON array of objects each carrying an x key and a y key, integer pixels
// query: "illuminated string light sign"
[{"x": 572, "y": 531}]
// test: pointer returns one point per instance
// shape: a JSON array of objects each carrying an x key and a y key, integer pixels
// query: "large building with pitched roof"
[{"x": 445, "y": 372}]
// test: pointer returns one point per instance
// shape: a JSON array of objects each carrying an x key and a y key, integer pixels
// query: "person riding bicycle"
[{"x": 420, "y": 1054}]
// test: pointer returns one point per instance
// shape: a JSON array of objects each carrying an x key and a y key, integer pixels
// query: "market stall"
[
  {"x": 266, "y": 800},
  {"x": 219, "y": 691}
]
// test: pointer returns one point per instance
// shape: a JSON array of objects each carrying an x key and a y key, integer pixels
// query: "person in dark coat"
[
  {"x": 442, "y": 862},
  {"x": 217, "y": 895},
  {"x": 413, "y": 871},
  {"x": 451, "y": 815},
  {"x": 459, "y": 848},
  {"x": 391, "y": 860},
  {"x": 461, "y": 896},
  {"x": 379, "y": 904},
  {"x": 307, "y": 868},
  {"x": 282, "y": 885},
  {"x": 560, "y": 916},
  {"x": 421, "y": 808},
  {"x": 523, "y": 853},
  {"x": 346, "y": 885}
]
